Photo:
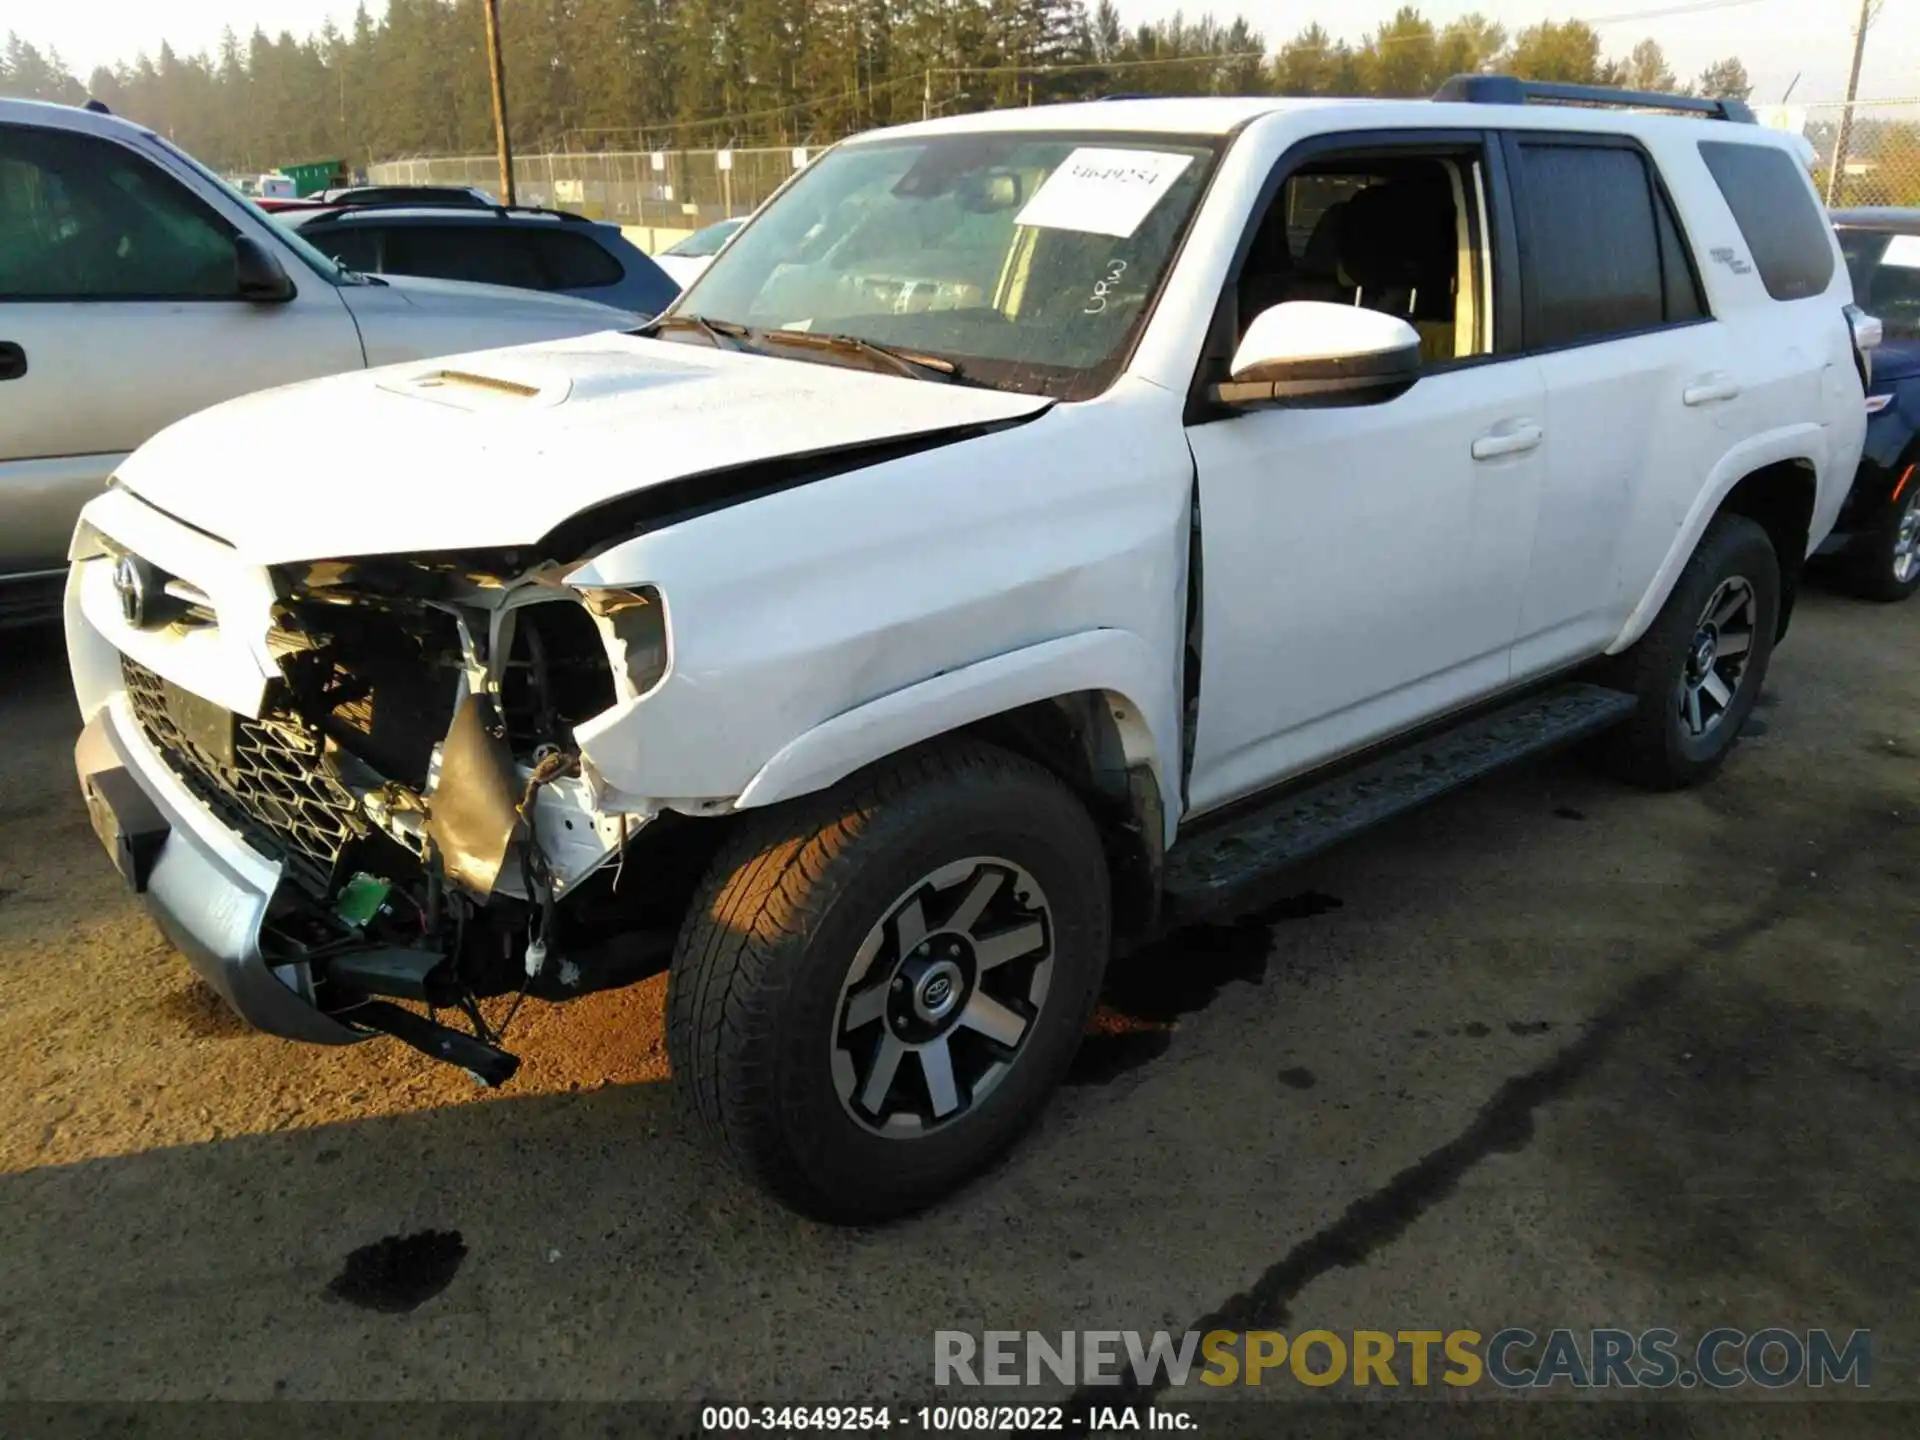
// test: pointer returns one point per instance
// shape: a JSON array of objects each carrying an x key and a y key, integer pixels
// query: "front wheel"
[
  {"x": 878, "y": 987},
  {"x": 1698, "y": 670}
]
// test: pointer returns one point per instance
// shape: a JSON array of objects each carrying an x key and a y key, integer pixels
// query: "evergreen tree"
[
  {"x": 1566, "y": 51},
  {"x": 1725, "y": 80},
  {"x": 1647, "y": 69},
  {"x": 672, "y": 74}
]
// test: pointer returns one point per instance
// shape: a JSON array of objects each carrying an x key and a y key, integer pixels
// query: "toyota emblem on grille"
[{"x": 130, "y": 582}]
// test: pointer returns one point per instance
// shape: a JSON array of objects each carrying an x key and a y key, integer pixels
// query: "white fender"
[
  {"x": 1115, "y": 661},
  {"x": 1792, "y": 442}
]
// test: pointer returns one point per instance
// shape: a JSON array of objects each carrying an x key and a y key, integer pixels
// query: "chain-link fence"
[
  {"x": 664, "y": 194},
  {"x": 1878, "y": 142},
  {"x": 670, "y": 192}
]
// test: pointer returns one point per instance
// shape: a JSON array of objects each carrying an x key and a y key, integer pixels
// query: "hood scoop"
[
  {"x": 520, "y": 382},
  {"x": 479, "y": 390}
]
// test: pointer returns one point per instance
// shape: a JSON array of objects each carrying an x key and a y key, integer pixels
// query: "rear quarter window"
[
  {"x": 573, "y": 262},
  {"x": 1772, "y": 201}
]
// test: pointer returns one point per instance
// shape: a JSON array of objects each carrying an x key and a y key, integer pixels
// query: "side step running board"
[{"x": 1204, "y": 873}]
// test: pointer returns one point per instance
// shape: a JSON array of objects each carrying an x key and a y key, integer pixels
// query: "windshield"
[
  {"x": 1028, "y": 260},
  {"x": 326, "y": 268},
  {"x": 707, "y": 241},
  {"x": 1886, "y": 278}
]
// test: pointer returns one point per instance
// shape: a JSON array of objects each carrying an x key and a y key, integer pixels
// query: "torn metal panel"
[{"x": 473, "y": 811}]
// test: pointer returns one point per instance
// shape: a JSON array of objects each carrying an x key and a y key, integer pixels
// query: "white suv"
[
  {"x": 1034, "y": 527},
  {"x": 137, "y": 287}
]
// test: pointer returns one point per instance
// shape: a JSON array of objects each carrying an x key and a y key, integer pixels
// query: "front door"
[
  {"x": 1363, "y": 567},
  {"x": 119, "y": 314}
]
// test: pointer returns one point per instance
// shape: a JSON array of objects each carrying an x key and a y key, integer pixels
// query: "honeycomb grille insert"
[{"x": 280, "y": 794}]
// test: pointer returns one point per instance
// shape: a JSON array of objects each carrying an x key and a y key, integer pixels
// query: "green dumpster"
[{"x": 313, "y": 176}]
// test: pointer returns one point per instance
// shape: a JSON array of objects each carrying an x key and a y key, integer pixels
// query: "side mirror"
[
  {"x": 260, "y": 277},
  {"x": 1310, "y": 352}
]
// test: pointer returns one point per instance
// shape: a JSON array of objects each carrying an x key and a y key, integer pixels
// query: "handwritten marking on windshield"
[{"x": 1104, "y": 287}]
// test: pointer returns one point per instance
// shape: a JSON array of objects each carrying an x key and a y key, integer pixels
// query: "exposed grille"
[{"x": 280, "y": 793}]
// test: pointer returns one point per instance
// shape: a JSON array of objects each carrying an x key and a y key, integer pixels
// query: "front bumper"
[{"x": 208, "y": 891}]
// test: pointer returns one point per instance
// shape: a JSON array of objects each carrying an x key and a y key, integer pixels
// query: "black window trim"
[
  {"x": 1223, "y": 329},
  {"x": 1512, "y": 141},
  {"x": 215, "y": 219}
]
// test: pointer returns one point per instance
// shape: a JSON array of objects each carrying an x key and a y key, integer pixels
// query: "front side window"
[
  {"x": 1773, "y": 203},
  {"x": 1029, "y": 260},
  {"x": 1591, "y": 245},
  {"x": 1393, "y": 233},
  {"x": 355, "y": 246},
  {"x": 83, "y": 218}
]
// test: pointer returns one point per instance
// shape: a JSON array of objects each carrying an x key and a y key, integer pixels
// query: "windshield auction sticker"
[{"x": 1103, "y": 192}]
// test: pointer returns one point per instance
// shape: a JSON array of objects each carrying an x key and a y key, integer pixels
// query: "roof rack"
[
  {"x": 1511, "y": 90},
  {"x": 350, "y": 207}
]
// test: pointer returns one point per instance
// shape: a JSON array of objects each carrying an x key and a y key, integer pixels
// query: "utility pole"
[
  {"x": 501, "y": 139},
  {"x": 1846, "y": 115},
  {"x": 926, "y": 98}
]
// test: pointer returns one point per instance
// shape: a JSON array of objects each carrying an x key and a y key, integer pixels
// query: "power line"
[{"x": 1665, "y": 11}]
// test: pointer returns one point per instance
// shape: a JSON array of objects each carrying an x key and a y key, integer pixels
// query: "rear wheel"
[
  {"x": 878, "y": 987},
  {"x": 1885, "y": 565},
  {"x": 1698, "y": 669}
]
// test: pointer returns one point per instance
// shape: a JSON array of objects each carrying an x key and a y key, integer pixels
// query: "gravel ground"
[{"x": 1547, "y": 1053}]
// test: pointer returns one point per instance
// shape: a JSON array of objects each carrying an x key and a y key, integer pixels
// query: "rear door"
[
  {"x": 1641, "y": 387},
  {"x": 119, "y": 314}
]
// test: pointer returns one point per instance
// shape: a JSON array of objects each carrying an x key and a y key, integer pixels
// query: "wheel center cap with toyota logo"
[{"x": 938, "y": 990}]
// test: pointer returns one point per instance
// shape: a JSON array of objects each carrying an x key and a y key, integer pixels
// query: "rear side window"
[
  {"x": 573, "y": 262},
  {"x": 487, "y": 254},
  {"x": 1592, "y": 256},
  {"x": 1772, "y": 203}
]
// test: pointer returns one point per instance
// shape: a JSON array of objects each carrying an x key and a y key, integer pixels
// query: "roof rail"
[
  {"x": 1511, "y": 90},
  {"x": 339, "y": 209}
]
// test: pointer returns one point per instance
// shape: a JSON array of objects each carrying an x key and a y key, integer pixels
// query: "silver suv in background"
[{"x": 137, "y": 287}]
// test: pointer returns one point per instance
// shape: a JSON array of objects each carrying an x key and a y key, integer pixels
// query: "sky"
[{"x": 1777, "y": 39}]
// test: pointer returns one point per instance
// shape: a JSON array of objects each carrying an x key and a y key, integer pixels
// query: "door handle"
[
  {"x": 13, "y": 361},
  {"x": 1709, "y": 389},
  {"x": 1514, "y": 437}
]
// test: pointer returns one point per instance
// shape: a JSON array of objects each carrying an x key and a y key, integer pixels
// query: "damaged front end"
[{"x": 413, "y": 770}]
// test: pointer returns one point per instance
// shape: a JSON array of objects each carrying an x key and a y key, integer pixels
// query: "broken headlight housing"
[{"x": 634, "y": 622}]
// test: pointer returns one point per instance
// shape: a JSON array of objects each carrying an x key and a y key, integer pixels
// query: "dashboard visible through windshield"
[{"x": 1026, "y": 261}]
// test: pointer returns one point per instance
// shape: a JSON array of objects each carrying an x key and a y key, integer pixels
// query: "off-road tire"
[
  {"x": 756, "y": 982},
  {"x": 1653, "y": 748}
]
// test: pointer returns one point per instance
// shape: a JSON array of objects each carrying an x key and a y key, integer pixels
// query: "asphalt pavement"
[{"x": 1548, "y": 1053}]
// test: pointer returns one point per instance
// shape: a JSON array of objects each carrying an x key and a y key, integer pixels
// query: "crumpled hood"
[{"x": 496, "y": 448}]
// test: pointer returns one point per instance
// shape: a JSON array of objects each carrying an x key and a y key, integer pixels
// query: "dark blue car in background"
[
  {"x": 529, "y": 249},
  {"x": 1877, "y": 539}
]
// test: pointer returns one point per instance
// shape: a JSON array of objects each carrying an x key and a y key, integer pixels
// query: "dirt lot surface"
[{"x": 1549, "y": 1053}]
